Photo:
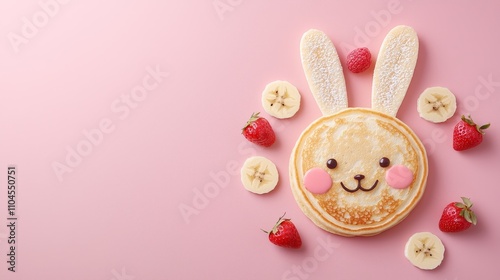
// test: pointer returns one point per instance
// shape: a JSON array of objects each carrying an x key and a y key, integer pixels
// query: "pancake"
[{"x": 359, "y": 201}]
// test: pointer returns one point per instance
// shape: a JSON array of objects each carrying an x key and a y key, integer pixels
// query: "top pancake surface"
[{"x": 357, "y": 139}]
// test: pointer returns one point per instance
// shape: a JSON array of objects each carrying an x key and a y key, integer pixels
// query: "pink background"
[{"x": 74, "y": 68}]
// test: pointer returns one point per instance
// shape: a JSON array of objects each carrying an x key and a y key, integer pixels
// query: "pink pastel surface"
[{"x": 123, "y": 119}]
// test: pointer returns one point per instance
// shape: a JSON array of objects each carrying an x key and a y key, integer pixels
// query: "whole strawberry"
[
  {"x": 467, "y": 134},
  {"x": 285, "y": 234},
  {"x": 359, "y": 60},
  {"x": 259, "y": 131},
  {"x": 457, "y": 216}
]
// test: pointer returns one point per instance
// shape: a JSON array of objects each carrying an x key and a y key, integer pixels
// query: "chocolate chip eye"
[
  {"x": 384, "y": 162},
  {"x": 331, "y": 163}
]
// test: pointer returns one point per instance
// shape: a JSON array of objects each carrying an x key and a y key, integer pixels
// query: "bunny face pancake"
[
  {"x": 358, "y": 171},
  {"x": 362, "y": 158}
]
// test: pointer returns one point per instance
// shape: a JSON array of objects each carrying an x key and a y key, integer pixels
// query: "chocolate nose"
[{"x": 359, "y": 177}]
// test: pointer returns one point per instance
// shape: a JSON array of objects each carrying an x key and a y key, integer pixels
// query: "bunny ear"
[
  {"x": 323, "y": 71},
  {"x": 394, "y": 69}
]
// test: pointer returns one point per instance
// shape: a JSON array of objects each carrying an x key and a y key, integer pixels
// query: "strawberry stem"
[
  {"x": 469, "y": 121},
  {"x": 275, "y": 227},
  {"x": 253, "y": 118},
  {"x": 466, "y": 211}
]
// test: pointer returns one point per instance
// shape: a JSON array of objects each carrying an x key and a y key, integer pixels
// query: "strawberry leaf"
[
  {"x": 460, "y": 205},
  {"x": 253, "y": 118},
  {"x": 278, "y": 223},
  {"x": 483, "y": 127},
  {"x": 466, "y": 215},
  {"x": 467, "y": 202},
  {"x": 466, "y": 212},
  {"x": 462, "y": 213},
  {"x": 468, "y": 120},
  {"x": 473, "y": 218}
]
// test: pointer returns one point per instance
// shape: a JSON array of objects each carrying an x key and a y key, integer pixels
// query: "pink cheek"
[
  {"x": 399, "y": 177},
  {"x": 317, "y": 181}
]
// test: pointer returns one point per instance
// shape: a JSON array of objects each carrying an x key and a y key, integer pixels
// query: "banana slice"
[
  {"x": 281, "y": 99},
  {"x": 424, "y": 250},
  {"x": 259, "y": 175},
  {"x": 436, "y": 104}
]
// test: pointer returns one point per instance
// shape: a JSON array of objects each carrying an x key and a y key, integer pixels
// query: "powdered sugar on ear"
[
  {"x": 394, "y": 69},
  {"x": 323, "y": 72}
]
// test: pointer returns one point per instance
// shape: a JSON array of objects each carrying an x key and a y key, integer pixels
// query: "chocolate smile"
[{"x": 358, "y": 178}]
